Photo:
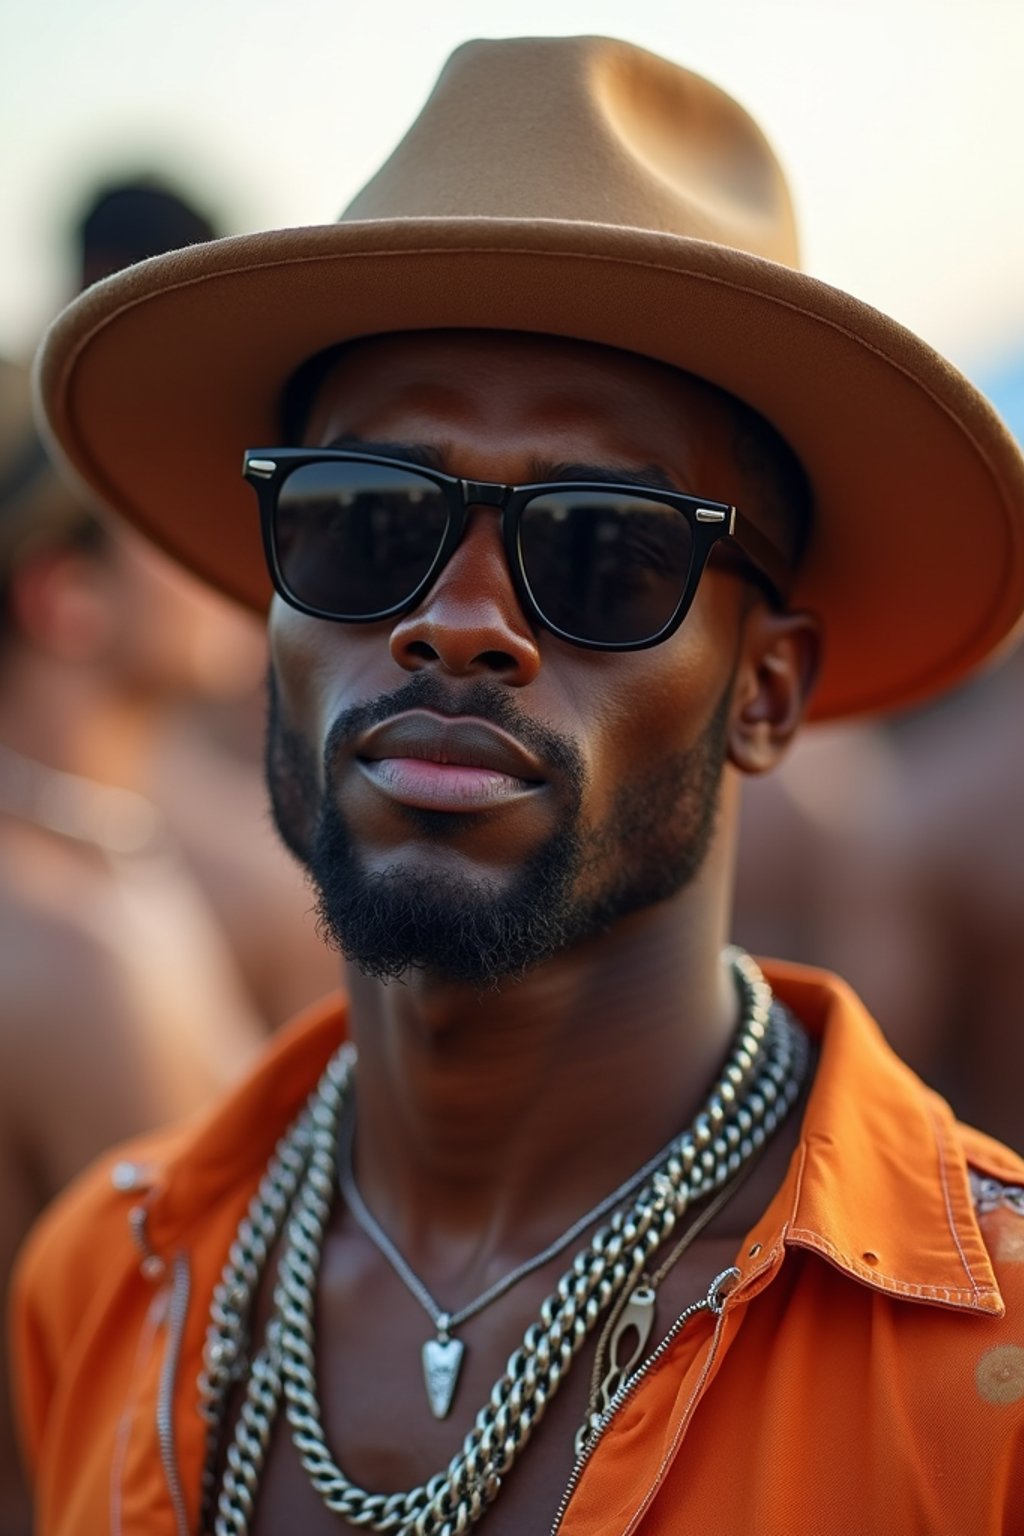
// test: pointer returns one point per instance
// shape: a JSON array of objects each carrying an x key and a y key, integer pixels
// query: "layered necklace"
[{"x": 760, "y": 1082}]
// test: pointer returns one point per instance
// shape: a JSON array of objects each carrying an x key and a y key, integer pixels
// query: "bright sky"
[{"x": 901, "y": 123}]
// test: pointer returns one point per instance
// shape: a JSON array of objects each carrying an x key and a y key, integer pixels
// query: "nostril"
[
  {"x": 497, "y": 661},
  {"x": 421, "y": 650}
]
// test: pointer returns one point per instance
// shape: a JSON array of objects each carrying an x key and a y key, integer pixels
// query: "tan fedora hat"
[{"x": 584, "y": 188}]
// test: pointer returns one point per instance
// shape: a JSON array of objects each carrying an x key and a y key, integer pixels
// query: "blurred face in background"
[
  {"x": 100, "y": 598},
  {"x": 171, "y": 635}
]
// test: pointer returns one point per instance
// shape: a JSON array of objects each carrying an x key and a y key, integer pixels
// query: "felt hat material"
[{"x": 584, "y": 188}]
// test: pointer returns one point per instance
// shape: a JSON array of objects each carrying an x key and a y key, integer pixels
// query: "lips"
[{"x": 442, "y": 763}]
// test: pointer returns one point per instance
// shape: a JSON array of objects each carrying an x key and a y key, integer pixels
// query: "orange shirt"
[{"x": 866, "y": 1375}]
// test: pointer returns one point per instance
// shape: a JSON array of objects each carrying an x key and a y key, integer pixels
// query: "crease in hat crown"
[{"x": 586, "y": 129}]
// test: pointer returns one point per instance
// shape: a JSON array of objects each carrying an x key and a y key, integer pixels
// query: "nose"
[{"x": 470, "y": 622}]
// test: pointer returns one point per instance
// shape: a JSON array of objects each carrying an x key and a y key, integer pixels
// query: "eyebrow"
[
  {"x": 425, "y": 455},
  {"x": 432, "y": 456},
  {"x": 650, "y": 475}
]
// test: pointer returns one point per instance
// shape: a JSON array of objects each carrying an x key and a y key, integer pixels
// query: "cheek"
[
  {"x": 297, "y": 664},
  {"x": 318, "y": 668},
  {"x": 638, "y": 708}
]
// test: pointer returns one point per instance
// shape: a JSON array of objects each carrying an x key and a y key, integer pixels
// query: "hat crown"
[
  {"x": 586, "y": 130},
  {"x": 581, "y": 188}
]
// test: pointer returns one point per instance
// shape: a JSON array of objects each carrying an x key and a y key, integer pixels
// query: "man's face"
[{"x": 470, "y": 793}]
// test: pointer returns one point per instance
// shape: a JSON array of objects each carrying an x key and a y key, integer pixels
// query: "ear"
[{"x": 779, "y": 659}]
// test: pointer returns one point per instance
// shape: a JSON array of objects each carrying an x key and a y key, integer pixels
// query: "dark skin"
[{"x": 473, "y": 1104}]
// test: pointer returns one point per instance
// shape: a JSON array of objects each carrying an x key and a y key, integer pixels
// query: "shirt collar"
[
  {"x": 231, "y": 1144},
  {"x": 879, "y": 1185}
]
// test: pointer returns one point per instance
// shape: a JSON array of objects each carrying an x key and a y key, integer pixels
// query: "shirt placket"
[{"x": 763, "y": 1262}]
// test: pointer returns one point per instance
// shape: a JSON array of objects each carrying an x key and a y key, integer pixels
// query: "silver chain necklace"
[
  {"x": 443, "y": 1355},
  {"x": 759, "y": 1084}
]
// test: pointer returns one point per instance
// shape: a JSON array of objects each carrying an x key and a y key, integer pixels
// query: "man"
[
  {"x": 555, "y": 1248},
  {"x": 113, "y": 942},
  {"x": 205, "y": 774}
]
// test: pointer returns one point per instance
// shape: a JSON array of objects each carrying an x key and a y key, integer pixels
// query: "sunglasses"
[{"x": 359, "y": 538}]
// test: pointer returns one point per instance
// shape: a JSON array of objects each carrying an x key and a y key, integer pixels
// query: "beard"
[{"x": 466, "y": 929}]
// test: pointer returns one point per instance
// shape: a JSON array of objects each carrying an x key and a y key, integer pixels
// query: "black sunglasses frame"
[{"x": 266, "y": 470}]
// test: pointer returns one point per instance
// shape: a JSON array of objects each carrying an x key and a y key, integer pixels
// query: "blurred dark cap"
[{"x": 125, "y": 221}]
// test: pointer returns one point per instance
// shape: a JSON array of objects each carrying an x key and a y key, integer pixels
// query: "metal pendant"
[
  {"x": 637, "y": 1318},
  {"x": 442, "y": 1361}
]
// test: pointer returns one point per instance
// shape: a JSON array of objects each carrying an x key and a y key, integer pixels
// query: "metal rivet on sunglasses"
[
  {"x": 262, "y": 467},
  {"x": 707, "y": 515}
]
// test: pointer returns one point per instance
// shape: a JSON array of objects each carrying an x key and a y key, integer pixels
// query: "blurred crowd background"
[{"x": 152, "y": 933}]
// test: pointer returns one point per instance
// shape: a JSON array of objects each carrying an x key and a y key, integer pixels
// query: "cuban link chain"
[{"x": 760, "y": 1082}]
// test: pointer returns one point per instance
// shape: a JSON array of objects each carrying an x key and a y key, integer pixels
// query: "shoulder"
[
  {"x": 178, "y": 1176},
  {"x": 76, "y": 1053},
  {"x": 63, "y": 989},
  {"x": 46, "y": 947},
  {"x": 71, "y": 1273},
  {"x": 86, "y": 1231},
  {"x": 62, "y": 996},
  {"x": 83, "y": 1290}
]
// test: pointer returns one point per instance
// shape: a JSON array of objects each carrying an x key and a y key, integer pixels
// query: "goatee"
[{"x": 465, "y": 929}]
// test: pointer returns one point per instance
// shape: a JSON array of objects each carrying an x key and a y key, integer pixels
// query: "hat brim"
[{"x": 154, "y": 382}]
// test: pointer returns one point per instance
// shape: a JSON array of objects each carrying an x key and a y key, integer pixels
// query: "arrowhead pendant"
[{"x": 442, "y": 1361}]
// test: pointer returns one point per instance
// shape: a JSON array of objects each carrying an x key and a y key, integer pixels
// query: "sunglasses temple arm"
[{"x": 765, "y": 554}]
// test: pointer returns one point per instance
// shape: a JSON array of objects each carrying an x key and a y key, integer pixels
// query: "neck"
[{"x": 487, "y": 1123}]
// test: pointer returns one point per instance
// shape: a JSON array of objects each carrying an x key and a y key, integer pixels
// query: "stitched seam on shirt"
[
  {"x": 669, "y": 1455},
  {"x": 947, "y": 1196},
  {"x": 905, "y": 1287},
  {"x": 799, "y": 1184}
]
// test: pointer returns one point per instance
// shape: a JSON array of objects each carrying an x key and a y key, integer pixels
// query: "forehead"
[{"x": 562, "y": 399}]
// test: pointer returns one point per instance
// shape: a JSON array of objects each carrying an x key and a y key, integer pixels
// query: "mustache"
[{"x": 481, "y": 698}]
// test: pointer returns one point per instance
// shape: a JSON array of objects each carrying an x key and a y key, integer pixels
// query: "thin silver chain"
[
  {"x": 760, "y": 1082},
  {"x": 443, "y": 1320}
]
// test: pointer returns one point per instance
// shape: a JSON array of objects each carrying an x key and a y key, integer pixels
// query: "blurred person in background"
[
  {"x": 138, "y": 870},
  {"x": 895, "y": 855},
  {"x": 109, "y": 946},
  {"x": 128, "y": 898},
  {"x": 801, "y": 828},
  {"x": 124, "y": 220},
  {"x": 207, "y": 777},
  {"x": 942, "y": 917},
  {"x": 925, "y": 909}
]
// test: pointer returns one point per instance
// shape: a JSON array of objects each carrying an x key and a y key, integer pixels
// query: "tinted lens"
[
  {"x": 354, "y": 540},
  {"x": 605, "y": 567}
]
